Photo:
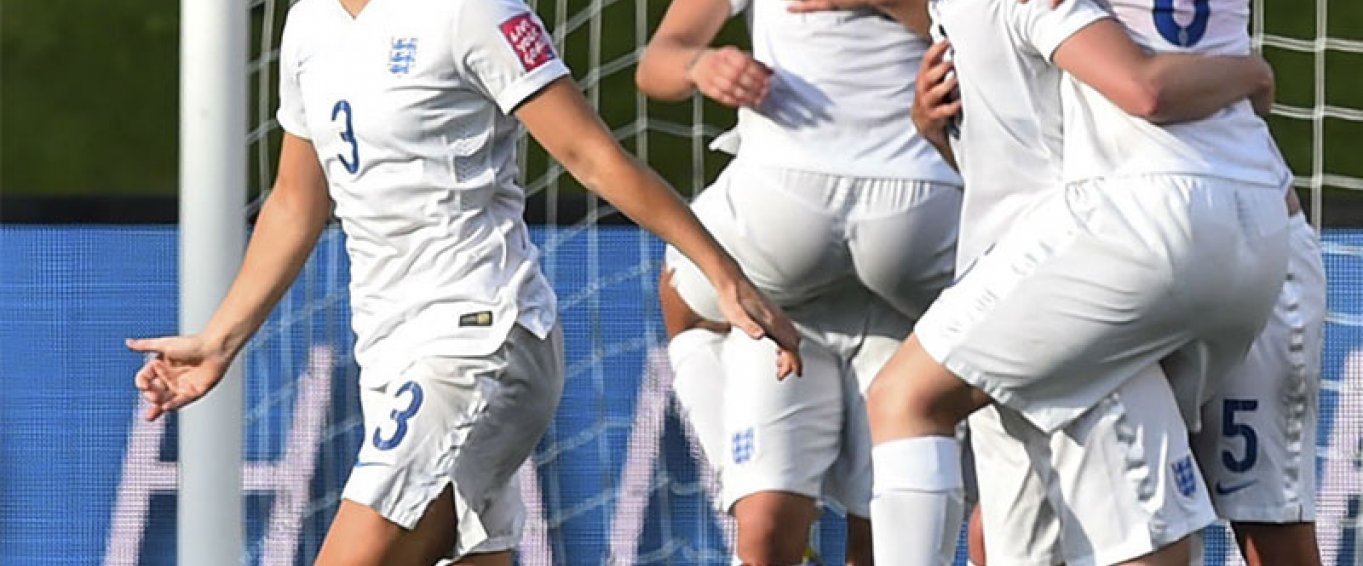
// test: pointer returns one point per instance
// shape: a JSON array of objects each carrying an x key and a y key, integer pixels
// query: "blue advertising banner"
[{"x": 83, "y": 480}]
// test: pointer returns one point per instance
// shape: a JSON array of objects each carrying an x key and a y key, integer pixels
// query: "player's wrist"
[
  {"x": 221, "y": 343},
  {"x": 694, "y": 66}
]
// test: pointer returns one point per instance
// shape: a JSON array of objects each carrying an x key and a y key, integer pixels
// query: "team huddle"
[{"x": 1050, "y": 246}]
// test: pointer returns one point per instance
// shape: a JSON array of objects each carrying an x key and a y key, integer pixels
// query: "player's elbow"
[
  {"x": 644, "y": 81},
  {"x": 654, "y": 84},
  {"x": 1145, "y": 99}
]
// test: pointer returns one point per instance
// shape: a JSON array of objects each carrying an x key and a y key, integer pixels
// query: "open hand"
[
  {"x": 748, "y": 310},
  {"x": 730, "y": 76},
  {"x": 178, "y": 371}
]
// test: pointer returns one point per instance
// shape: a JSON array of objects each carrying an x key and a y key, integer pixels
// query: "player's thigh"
[
  {"x": 778, "y": 435},
  {"x": 1257, "y": 444},
  {"x": 464, "y": 423},
  {"x": 1130, "y": 452},
  {"x": 902, "y": 239}
]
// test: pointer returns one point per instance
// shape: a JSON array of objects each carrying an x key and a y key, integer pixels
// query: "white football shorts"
[
  {"x": 1103, "y": 279},
  {"x": 800, "y": 234},
  {"x": 806, "y": 435},
  {"x": 468, "y": 422},
  {"x": 1118, "y": 482},
  {"x": 1257, "y": 446}
]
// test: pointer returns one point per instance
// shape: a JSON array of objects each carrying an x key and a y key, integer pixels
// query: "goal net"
[
  {"x": 617, "y": 479},
  {"x": 1317, "y": 51}
]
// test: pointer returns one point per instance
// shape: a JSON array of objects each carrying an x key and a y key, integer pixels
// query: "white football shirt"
[
  {"x": 1009, "y": 144},
  {"x": 408, "y": 106},
  {"x": 1233, "y": 143},
  {"x": 840, "y": 96}
]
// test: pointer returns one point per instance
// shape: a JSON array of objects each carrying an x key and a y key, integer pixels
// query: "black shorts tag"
[{"x": 480, "y": 318}]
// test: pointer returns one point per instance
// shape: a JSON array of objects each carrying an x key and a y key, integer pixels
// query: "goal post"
[{"x": 212, "y": 181}]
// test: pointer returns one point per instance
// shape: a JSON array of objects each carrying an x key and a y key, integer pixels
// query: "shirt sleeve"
[
  {"x": 503, "y": 50},
  {"x": 1044, "y": 28},
  {"x": 290, "y": 115}
]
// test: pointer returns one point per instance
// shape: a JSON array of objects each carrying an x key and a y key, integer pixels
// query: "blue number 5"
[
  {"x": 347, "y": 136},
  {"x": 1178, "y": 34},
  {"x": 400, "y": 417},
  {"x": 1231, "y": 429}
]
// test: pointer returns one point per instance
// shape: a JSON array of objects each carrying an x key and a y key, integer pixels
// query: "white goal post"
[{"x": 212, "y": 179}]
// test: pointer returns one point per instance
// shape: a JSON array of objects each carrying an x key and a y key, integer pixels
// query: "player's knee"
[
  {"x": 773, "y": 528},
  {"x": 914, "y": 395},
  {"x": 893, "y": 402}
]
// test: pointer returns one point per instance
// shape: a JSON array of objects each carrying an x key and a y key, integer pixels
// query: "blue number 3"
[
  {"x": 400, "y": 417},
  {"x": 1177, "y": 34},
  {"x": 353, "y": 164}
]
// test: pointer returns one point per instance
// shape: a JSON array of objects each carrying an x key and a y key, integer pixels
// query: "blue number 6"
[
  {"x": 347, "y": 136},
  {"x": 400, "y": 417},
  {"x": 1231, "y": 429},
  {"x": 1178, "y": 34}
]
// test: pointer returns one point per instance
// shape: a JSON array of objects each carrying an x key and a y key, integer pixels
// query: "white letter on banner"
[
  {"x": 645, "y": 442},
  {"x": 144, "y": 473}
]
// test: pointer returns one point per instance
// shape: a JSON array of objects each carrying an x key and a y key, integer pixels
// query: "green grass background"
[{"x": 88, "y": 95}]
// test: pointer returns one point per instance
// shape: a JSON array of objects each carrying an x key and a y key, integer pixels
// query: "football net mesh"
[{"x": 616, "y": 480}]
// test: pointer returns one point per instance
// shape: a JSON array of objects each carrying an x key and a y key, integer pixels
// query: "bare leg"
[
  {"x": 773, "y": 528},
  {"x": 1268, "y": 544},
  {"x": 975, "y": 538},
  {"x": 359, "y": 536},
  {"x": 914, "y": 396},
  {"x": 859, "y": 541}
]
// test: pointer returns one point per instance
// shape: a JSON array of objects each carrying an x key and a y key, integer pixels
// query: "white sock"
[
  {"x": 698, "y": 379},
  {"x": 918, "y": 501}
]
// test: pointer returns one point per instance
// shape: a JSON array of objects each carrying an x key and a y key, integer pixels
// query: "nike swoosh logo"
[
  {"x": 1229, "y": 489},
  {"x": 367, "y": 464}
]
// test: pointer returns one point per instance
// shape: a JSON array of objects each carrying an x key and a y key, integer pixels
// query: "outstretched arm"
[
  {"x": 184, "y": 368},
  {"x": 561, "y": 121},
  {"x": 1162, "y": 88},
  {"x": 679, "y": 59}
]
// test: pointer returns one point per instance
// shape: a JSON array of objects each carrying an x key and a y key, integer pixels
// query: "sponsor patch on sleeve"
[{"x": 528, "y": 40}]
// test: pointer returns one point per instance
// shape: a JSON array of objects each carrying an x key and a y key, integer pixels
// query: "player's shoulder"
[
  {"x": 305, "y": 17},
  {"x": 485, "y": 6},
  {"x": 476, "y": 18},
  {"x": 307, "y": 10}
]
